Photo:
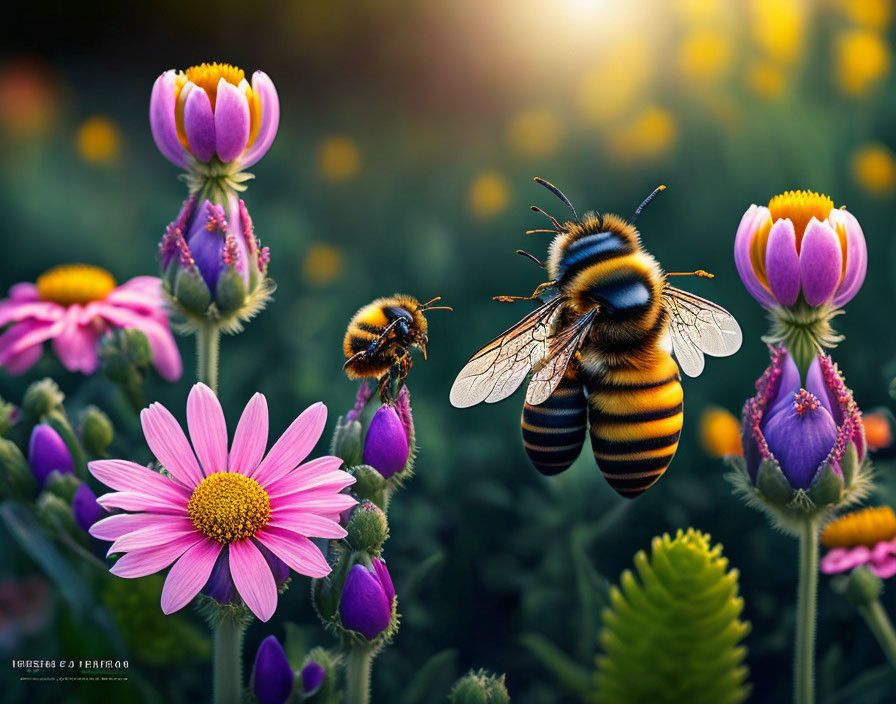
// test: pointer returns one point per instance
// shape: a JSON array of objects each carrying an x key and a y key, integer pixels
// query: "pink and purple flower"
[
  {"x": 864, "y": 537},
  {"x": 211, "y": 500}
]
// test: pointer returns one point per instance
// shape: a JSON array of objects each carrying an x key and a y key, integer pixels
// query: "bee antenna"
[
  {"x": 536, "y": 209},
  {"x": 429, "y": 305},
  {"x": 656, "y": 192},
  {"x": 535, "y": 259},
  {"x": 557, "y": 192}
]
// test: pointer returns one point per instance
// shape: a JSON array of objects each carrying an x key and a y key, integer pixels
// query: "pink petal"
[
  {"x": 782, "y": 263},
  {"x": 299, "y": 553},
  {"x": 844, "y": 559},
  {"x": 317, "y": 472},
  {"x": 21, "y": 362},
  {"x": 165, "y": 355},
  {"x": 293, "y": 446},
  {"x": 884, "y": 568},
  {"x": 821, "y": 262},
  {"x": 161, "y": 119},
  {"x": 231, "y": 121},
  {"x": 263, "y": 87},
  {"x": 320, "y": 501},
  {"x": 12, "y": 311},
  {"x": 140, "y": 563},
  {"x": 135, "y": 501},
  {"x": 743, "y": 240},
  {"x": 856, "y": 256},
  {"x": 168, "y": 443},
  {"x": 24, "y": 336},
  {"x": 253, "y": 579},
  {"x": 208, "y": 429},
  {"x": 114, "y": 527},
  {"x": 122, "y": 475},
  {"x": 153, "y": 536},
  {"x": 189, "y": 574},
  {"x": 307, "y": 524},
  {"x": 251, "y": 436},
  {"x": 199, "y": 124},
  {"x": 24, "y": 291}
]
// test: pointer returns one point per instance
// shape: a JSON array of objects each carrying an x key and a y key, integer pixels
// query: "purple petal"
[
  {"x": 199, "y": 124},
  {"x": 382, "y": 573},
  {"x": 363, "y": 606},
  {"x": 782, "y": 263},
  {"x": 800, "y": 440},
  {"x": 821, "y": 262},
  {"x": 816, "y": 386},
  {"x": 48, "y": 452},
  {"x": 162, "y": 121},
  {"x": 206, "y": 245},
  {"x": 313, "y": 675},
  {"x": 231, "y": 121},
  {"x": 85, "y": 508},
  {"x": 386, "y": 443},
  {"x": 856, "y": 253},
  {"x": 788, "y": 384},
  {"x": 263, "y": 87},
  {"x": 743, "y": 242},
  {"x": 272, "y": 675}
]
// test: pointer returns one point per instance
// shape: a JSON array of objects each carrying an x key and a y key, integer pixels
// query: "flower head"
[
  {"x": 272, "y": 675},
  {"x": 367, "y": 600},
  {"x": 313, "y": 675},
  {"x": 47, "y": 452},
  {"x": 73, "y": 306},
  {"x": 211, "y": 112},
  {"x": 800, "y": 245},
  {"x": 864, "y": 537},
  {"x": 801, "y": 433},
  {"x": 218, "y": 500},
  {"x": 386, "y": 446}
]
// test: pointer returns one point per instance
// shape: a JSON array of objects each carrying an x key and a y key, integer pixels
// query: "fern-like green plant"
[{"x": 673, "y": 632}]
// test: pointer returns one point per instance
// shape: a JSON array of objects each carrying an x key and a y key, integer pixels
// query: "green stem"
[
  {"x": 228, "y": 663},
  {"x": 881, "y": 627},
  {"x": 357, "y": 674},
  {"x": 208, "y": 338},
  {"x": 807, "y": 598}
]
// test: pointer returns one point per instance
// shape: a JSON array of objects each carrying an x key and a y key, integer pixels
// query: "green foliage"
[
  {"x": 672, "y": 632},
  {"x": 480, "y": 688}
]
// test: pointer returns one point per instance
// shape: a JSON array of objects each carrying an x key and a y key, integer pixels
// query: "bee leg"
[{"x": 535, "y": 294}]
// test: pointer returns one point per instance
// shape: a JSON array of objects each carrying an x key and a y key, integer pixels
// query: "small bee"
[
  {"x": 599, "y": 352},
  {"x": 380, "y": 336}
]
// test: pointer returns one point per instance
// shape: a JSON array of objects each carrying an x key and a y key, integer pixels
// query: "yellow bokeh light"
[
  {"x": 870, "y": 14},
  {"x": 612, "y": 85},
  {"x": 863, "y": 59},
  {"x": 338, "y": 159},
  {"x": 701, "y": 11},
  {"x": 766, "y": 79},
  {"x": 98, "y": 140},
  {"x": 323, "y": 263},
  {"x": 534, "y": 132},
  {"x": 720, "y": 433},
  {"x": 650, "y": 134},
  {"x": 704, "y": 55},
  {"x": 778, "y": 28},
  {"x": 874, "y": 169},
  {"x": 488, "y": 195}
]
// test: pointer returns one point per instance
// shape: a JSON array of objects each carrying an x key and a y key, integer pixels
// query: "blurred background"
[{"x": 410, "y": 133}]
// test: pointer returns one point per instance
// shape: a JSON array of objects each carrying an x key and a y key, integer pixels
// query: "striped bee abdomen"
[
  {"x": 554, "y": 431},
  {"x": 636, "y": 416}
]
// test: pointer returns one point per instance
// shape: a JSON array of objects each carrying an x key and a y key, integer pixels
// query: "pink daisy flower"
[
  {"x": 865, "y": 537},
  {"x": 216, "y": 500},
  {"x": 74, "y": 305}
]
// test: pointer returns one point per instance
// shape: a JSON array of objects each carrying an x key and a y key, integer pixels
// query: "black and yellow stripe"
[
  {"x": 554, "y": 431},
  {"x": 636, "y": 417}
]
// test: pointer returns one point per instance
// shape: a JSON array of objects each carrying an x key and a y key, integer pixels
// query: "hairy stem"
[
  {"x": 228, "y": 663},
  {"x": 807, "y": 598},
  {"x": 208, "y": 338},
  {"x": 881, "y": 627},
  {"x": 357, "y": 674}
]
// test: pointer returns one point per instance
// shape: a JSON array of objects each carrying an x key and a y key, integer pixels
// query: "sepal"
[
  {"x": 230, "y": 291},
  {"x": 827, "y": 487},
  {"x": 772, "y": 484},
  {"x": 191, "y": 292}
]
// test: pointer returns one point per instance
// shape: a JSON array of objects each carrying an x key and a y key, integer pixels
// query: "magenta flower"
[
  {"x": 215, "y": 500},
  {"x": 800, "y": 244},
  {"x": 272, "y": 675},
  {"x": 47, "y": 452},
  {"x": 74, "y": 305},
  {"x": 386, "y": 443},
  {"x": 211, "y": 111},
  {"x": 800, "y": 430},
  {"x": 367, "y": 599},
  {"x": 865, "y": 537}
]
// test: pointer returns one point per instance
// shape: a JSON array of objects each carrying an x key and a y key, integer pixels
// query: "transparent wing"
[
  {"x": 497, "y": 370},
  {"x": 698, "y": 327},
  {"x": 552, "y": 367}
]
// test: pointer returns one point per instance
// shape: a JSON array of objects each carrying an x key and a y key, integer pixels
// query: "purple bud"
[
  {"x": 85, "y": 508},
  {"x": 206, "y": 237},
  {"x": 313, "y": 676},
  {"x": 364, "y": 606},
  {"x": 272, "y": 676},
  {"x": 46, "y": 452},
  {"x": 220, "y": 585},
  {"x": 385, "y": 578},
  {"x": 386, "y": 443}
]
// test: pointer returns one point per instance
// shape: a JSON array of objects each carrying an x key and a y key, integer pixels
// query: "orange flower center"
[
  {"x": 866, "y": 527},
  {"x": 75, "y": 283},
  {"x": 227, "y": 506},
  {"x": 800, "y": 207},
  {"x": 207, "y": 76}
]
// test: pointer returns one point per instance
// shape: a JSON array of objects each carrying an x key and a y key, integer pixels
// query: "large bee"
[
  {"x": 599, "y": 350},
  {"x": 381, "y": 335}
]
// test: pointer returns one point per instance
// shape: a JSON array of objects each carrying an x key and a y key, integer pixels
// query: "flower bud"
[
  {"x": 386, "y": 444},
  {"x": 367, "y": 600},
  {"x": 480, "y": 688},
  {"x": 367, "y": 528},
  {"x": 124, "y": 353},
  {"x": 862, "y": 586},
  {"x": 55, "y": 512},
  {"x": 65, "y": 486},
  {"x": 9, "y": 416},
  {"x": 319, "y": 677},
  {"x": 272, "y": 675},
  {"x": 47, "y": 452},
  {"x": 16, "y": 478},
  {"x": 97, "y": 432},
  {"x": 313, "y": 675},
  {"x": 42, "y": 397},
  {"x": 85, "y": 508}
]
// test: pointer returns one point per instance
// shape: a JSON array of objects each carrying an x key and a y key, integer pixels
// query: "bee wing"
[
  {"x": 497, "y": 370},
  {"x": 698, "y": 326},
  {"x": 552, "y": 367}
]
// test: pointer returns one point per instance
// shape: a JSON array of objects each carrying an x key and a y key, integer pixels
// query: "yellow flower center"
[
  {"x": 75, "y": 283},
  {"x": 800, "y": 207},
  {"x": 866, "y": 527},
  {"x": 228, "y": 506}
]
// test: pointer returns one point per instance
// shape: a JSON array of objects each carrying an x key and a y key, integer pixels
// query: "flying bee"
[
  {"x": 598, "y": 349},
  {"x": 380, "y": 337}
]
